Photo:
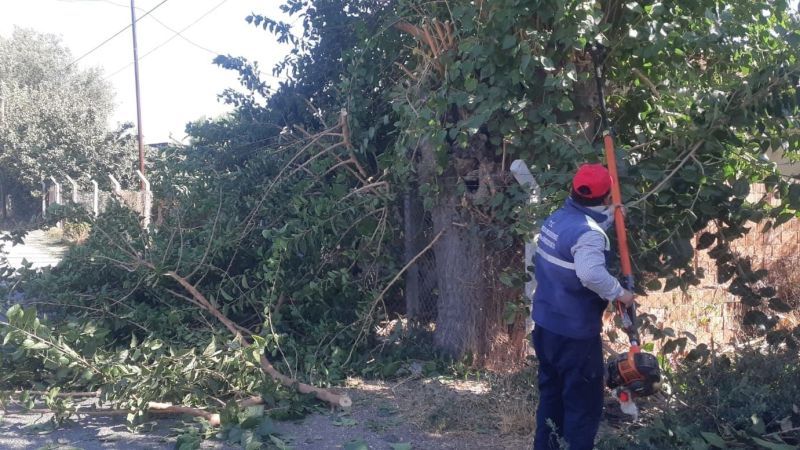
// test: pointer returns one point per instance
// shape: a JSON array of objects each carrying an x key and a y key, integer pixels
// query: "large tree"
[
  {"x": 54, "y": 117},
  {"x": 698, "y": 91}
]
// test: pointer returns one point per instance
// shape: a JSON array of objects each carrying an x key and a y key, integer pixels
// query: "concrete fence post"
[
  {"x": 525, "y": 178},
  {"x": 146, "y": 199},
  {"x": 44, "y": 199},
  {"x": 95, "y": 198},
  {"x": 74, "y": 189},
  {"x": 57, "y": 185},
  {"x": 117, "y": 187}
]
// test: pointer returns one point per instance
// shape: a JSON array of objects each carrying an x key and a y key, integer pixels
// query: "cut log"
[{"x": 342, "y": 400}]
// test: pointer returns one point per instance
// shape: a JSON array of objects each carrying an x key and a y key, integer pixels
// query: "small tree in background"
[{"x": 54, "y": 118}]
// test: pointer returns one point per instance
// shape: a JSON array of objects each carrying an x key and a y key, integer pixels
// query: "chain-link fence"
[{"x": 421, "y": 282}]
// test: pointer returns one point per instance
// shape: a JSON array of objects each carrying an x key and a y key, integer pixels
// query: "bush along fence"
[{"x": 94, "y": 200}]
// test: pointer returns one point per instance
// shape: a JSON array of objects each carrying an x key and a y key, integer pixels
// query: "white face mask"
[{"x": 607, "y": 211}]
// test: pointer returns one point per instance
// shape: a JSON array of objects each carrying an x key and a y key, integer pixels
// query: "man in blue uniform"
[{"x": 573, "y": 290}]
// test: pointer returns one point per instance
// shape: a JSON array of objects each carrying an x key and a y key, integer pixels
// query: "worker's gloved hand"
[{"x": 627, "y": 298}]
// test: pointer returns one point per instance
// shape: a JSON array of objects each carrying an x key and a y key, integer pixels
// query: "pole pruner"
[{"x": 634, "y": 373}]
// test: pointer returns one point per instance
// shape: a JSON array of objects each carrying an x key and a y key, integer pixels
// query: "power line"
[
  {"x": 179, "y": 34},
  {"x": 114, "y": 35},
  {"x": 152, "y": 16},
  {"x": 176, "y": 34}
]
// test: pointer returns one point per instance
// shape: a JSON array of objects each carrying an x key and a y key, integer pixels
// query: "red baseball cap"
[{"x": 592, "y": 181}]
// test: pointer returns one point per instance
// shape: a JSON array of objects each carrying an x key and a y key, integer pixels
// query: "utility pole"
[{"x": 138, "y": 94}]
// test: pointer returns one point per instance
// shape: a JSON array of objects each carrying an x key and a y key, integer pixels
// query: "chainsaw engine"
[{"x": 636, "y": 372}]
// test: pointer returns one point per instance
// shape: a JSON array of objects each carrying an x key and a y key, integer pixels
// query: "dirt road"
[{"x": 39, "y": 249}]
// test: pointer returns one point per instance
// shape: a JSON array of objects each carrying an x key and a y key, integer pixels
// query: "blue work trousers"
[{"x": 570, "y": 390}]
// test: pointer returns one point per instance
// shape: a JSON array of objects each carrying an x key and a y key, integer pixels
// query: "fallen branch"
[
  {"x": 152, "y": 408},
  {"x": 167, "y": 408},
  {"x": 342, "y": 400},
  {"x": 334, "y": 399},
  {"x": 60, "y": 394}
]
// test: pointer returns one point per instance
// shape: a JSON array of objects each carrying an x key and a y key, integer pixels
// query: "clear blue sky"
[{"x": 178, "y": 81}]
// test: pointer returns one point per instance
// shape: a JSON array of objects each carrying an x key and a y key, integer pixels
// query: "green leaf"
[
  {"x": 673, "y": 344},
  {"x": 400, "y": 446},
  {"x": 15, "y": 312},
  {"x": 672, "y": 283},
  {"x": 778, "y": 305},
  {"x": 773, "y": 445},
  {"x": 565, "y": 104},
  {"x": 714, "y": 439},
  {"x": 706, "y": 240},
  {"x": 470, "y": 84},
  {"x": 524, "y": 63},
  {"x": 211, "y": 348},
  {"x": 754, "y": 318},
  {"x": 30, "y": 344},
  {"x": 506, "y": 279},
  {"x": 634, "y": 7},
  {"x": 741, "y": 188},
  {"x": 280, "y": 443},
  {"x": 653, "y": 285},
  {"x": 356, "y": 445},
  {"x": 509, "y": 41}
]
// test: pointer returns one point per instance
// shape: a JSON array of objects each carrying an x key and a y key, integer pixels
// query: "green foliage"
[
  {"x": 54, "y": 118},
  {"x": 725, "y": 402},
  {"x": 78, "y": 355},
  {"x": 284, "y": 215},
  {"x": 694, "y": 110}
]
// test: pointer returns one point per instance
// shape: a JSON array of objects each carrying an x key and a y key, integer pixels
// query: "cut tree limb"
[
  {"x": 322, "y": 394},
  {"x": 152, "y": 408},
  {"x": 341, "y": 400}
]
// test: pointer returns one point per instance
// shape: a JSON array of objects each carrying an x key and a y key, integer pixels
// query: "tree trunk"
[
  {"x": 472, "y": 302},
  {"x": 463, "y": 288}
]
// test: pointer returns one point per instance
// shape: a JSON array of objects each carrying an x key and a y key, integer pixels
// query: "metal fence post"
[
  {"x": 95, "y": 198},
  {"x": 146, "y": 199}
]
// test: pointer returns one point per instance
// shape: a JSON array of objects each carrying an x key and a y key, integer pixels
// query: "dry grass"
[
  {"x": 54, "y": 234},
  {"x": 76, "y": 233},
  {"x": 501, "y": 406}
]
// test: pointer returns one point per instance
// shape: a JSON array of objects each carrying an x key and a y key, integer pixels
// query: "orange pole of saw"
[
  {"x": 616, "y": 198},
  {"x": 628, "y": 315}
]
